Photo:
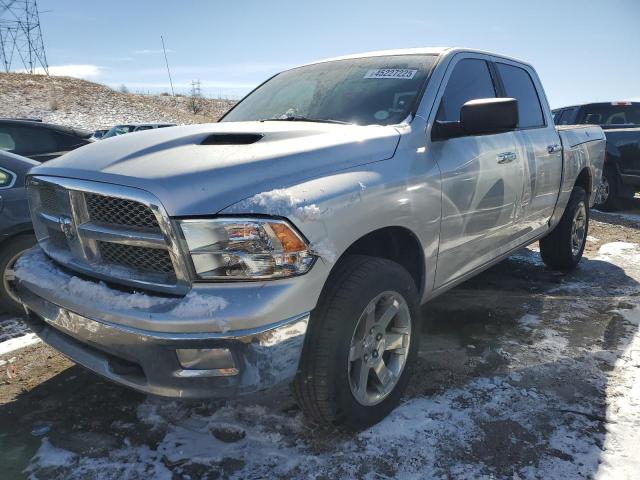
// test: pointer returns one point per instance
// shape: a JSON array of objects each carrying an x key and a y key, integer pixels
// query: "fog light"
[{"x": 207, "y": 359}]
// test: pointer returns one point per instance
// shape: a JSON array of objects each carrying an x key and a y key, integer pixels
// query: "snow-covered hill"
[{"x": 79, "y": 103}]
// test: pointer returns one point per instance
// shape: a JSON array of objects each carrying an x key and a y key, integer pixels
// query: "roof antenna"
[{"x": 173, "y": 94}]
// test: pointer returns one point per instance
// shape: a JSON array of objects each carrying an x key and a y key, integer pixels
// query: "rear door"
[
  {"x": 538, "y": 145},
  {"x": 481, "y": 177}
]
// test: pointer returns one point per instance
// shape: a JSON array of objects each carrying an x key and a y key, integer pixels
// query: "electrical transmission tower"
[{"x": 21, "y": 36}]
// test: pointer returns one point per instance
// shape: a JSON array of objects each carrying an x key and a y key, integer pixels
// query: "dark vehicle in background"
[
  {"x": 621, "y": 124},
  {"x": 16, "y": 231},
  {"x": 134, "y": 127},
  {"x": 40, "y": 141}
]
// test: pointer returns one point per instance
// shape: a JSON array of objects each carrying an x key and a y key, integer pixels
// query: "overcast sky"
[{"x": 583, "y": 50}]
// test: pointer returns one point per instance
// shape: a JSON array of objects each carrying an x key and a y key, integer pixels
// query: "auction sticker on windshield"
[{"x": 401, "y": 73}]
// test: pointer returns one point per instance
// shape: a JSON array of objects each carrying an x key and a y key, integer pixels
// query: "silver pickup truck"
[{"x": 294, "y": 240}]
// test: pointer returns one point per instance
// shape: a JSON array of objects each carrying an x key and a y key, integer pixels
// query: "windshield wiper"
[{"x": 304, "y": 119}]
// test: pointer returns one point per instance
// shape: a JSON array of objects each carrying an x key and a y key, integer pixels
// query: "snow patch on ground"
[
  {"x": 500, "y": 426},
  {"x": 620, "y": 249},
  {"x": 426, "y": 437},
  {"x": 528, "y": 255},
  {"x": 50, "y": 456},
  {"x": 9, "y": 346},
  {"x": 280, "y": 202},
  {"x": 529, "y": 321},
  {"x": 11, "y": 327},
  {"x": 620, "y": 451}
]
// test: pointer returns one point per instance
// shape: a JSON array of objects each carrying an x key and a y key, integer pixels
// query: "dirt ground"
[{"x": 523, "y": 373}]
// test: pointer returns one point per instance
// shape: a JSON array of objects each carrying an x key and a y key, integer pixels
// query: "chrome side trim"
[{"x": 136, "y": 238}]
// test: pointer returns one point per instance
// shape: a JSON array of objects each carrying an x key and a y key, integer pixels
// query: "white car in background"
[{"x": 133, "y": 127}]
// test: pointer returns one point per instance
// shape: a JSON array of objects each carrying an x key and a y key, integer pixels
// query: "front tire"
[
  {"x": 10, "y": 251},
  {"x": 361, "y": 344},
  {"x": 562, "y": 248}
]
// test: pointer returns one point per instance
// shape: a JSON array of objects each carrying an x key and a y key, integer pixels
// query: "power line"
[
  {"x": 21, "y": 36},
  {"x": 173, "y": 94}
]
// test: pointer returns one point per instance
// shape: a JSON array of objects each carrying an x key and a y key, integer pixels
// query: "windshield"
[
  {"x": 119, "y": 130},
  {"x": 364, "y": 91},
  {"x": 610, "y": 114}
]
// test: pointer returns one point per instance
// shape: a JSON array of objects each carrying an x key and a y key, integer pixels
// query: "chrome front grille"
[
  {"x": 53, "y": 200},
  {"x": 117, "y": 234},
  {"x": 139, "y": 258},
  {"x": 120, "y": 211}
]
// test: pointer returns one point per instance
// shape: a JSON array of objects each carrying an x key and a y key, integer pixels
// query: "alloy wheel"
[
  {"x": 603, "y": 191},
  {"x": 578, "y": 229},
  {"x": 379, "y": 348}
]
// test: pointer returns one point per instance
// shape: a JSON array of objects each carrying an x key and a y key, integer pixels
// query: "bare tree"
[
  {"x": 123, "y": 89},
  {"x": 195, "y": 104}
]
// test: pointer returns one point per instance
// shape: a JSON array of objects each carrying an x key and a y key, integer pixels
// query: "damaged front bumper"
[
  {"x": 143, "y": 348},
  {"x": 149, "y": 362}
]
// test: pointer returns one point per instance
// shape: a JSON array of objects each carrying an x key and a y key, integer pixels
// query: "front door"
[{"x": 482, "y": 180}]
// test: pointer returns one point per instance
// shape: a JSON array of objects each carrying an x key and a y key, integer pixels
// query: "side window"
[
  {"x": 518, "y": 84},
  {"x": 30, "y": 140},
  {"x": 556, "y": 114},
  {"x": 469, "y": 80},
  {"x": 567, "y": 117}
]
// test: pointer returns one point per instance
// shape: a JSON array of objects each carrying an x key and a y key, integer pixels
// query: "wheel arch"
[
  {"x": 585, "y": 181},
  {"x": 395, "y": 243}
]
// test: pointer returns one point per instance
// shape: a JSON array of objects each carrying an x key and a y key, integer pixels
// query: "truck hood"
[{"x": 201, "y": 169}]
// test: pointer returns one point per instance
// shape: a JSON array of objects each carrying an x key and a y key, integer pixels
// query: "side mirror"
[
  {"x": 482, "y": 116},
  {"x": 489, "y": 115}
]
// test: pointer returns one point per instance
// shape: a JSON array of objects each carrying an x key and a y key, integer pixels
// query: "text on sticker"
[{"x": 401, "y": 73}]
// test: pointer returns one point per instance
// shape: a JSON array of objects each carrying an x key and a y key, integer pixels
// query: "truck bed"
[
  {"x": 582, "y": 145},
  {"x": 574, "y": 135}
]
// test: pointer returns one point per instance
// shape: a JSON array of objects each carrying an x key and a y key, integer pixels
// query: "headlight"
[{"x": 245, "y": 249}]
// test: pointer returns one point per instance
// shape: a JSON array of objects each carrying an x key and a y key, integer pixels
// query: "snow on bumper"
[{"x": 252, "y": 359}]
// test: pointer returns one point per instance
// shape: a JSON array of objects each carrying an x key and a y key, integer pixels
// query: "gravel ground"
[{"x": 523, "y": 373}]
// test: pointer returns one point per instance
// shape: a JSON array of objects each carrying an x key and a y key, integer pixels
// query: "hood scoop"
[{"x": 232, "y": 139}]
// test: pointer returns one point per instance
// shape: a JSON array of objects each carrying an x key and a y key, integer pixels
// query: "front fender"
[{"x": 334, "y": 211}]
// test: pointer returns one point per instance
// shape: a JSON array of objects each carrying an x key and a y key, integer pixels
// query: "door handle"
[
  {"x": 506, "y": 157},
  {"x": 553, "y": 148}
]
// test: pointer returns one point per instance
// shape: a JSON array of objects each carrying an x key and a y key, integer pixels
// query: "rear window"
[
  {"x": 518, "y": 84},
  {"x": 610, "y": 114}
]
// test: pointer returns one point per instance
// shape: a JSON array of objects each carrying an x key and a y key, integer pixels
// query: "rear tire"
[
  {"x": 10, "y": 250},
  {"x": 607, "y": 197},
  {"x": 562, "y": 248},
  {"x": 361, "y": 344}
]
